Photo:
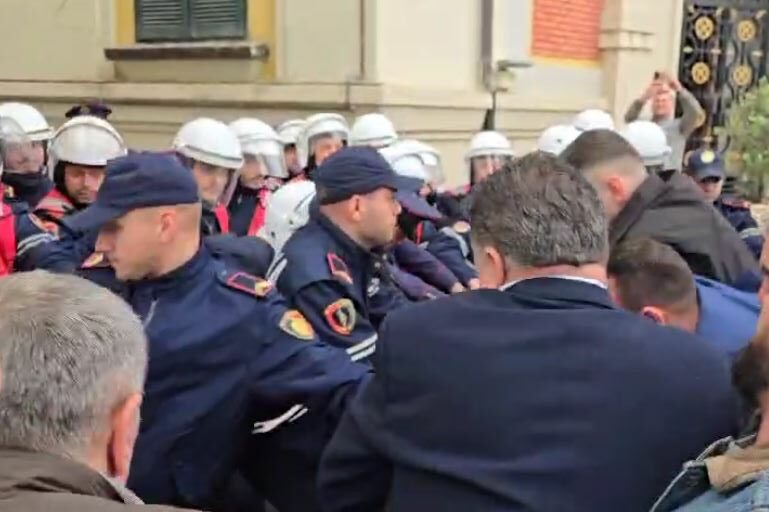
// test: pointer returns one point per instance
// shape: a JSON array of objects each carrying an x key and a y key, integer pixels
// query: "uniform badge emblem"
[
  {"x": 48, "y": 227},
  {"x": 249, "y": 284},
  {"x": 295, "y": 324},
  {"x": 341, "y": 316},
  {"x": 94, "y": 260},
  {"x": 707, "y": 157},
  {"x": 338, "y": 268}
]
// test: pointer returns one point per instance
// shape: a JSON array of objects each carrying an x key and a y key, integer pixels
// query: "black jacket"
[
  {"x": 543, "y": 397},
  {"x": 675, "y": 213}
]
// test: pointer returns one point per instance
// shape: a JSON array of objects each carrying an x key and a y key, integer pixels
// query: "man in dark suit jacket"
[
  {"x": 669, "y": 209},
  {"x": 536, "y": 393}
]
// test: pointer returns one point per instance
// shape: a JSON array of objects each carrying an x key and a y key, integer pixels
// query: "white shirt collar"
[{"x": 594, "y": 282}]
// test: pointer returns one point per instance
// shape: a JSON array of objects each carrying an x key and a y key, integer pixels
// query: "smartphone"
[{"x": 656, "y": 75}]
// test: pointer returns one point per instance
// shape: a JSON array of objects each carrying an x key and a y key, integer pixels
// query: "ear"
[
  {"x": 355, "y": 205},
  {"x": 167, "y": 224},
  {"x": 124, "y": 423},
  {"x": 655, "y": 314},
  {"x": 491, "y": 267}
]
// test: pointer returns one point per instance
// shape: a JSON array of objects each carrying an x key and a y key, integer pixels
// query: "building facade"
[{"x": 428, "y": 64}]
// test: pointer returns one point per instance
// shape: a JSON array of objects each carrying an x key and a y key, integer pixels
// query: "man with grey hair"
[
  {"x": 532, "y": 394},
  {"x": 70, "y": 393},
  {"x": 672, "y": 211}
]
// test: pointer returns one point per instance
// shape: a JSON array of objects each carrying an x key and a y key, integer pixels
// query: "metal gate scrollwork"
[{"x": 724, "y": 47}]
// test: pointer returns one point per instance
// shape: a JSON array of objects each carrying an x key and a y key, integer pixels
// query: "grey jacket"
[{"x": 38, "y": 482}]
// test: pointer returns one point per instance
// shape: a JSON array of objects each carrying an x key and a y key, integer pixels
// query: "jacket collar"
[
  {"x": 41, "y": 472},
  {"x": 559, "y": 293}
]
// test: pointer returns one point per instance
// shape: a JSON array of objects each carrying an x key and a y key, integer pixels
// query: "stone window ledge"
[{"x": 189, "y": 51}]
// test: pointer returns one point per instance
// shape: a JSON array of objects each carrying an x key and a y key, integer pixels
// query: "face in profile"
[
  {"x": 212, "y": 181},
  {"x": 130, "y": 243},
  {"x": 378, "y": 216},
  {"x": 253, "y": 173},
  {"x": 325, "y": 146}
]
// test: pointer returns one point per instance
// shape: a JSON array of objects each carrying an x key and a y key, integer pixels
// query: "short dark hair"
[
  {"x": 538, "y": 211},
  {"x": 596, "y": 147},
  {"x": 649, "y": 273}
]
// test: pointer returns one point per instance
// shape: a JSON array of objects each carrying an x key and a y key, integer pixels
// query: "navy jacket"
[
  {"x": 740, "y": 217},
  {"x": 419, "y": 262},
  {"x": 728, "y": 316},
  {"x": 332, "y": 280},
  {"x": 225, "y": 356},
  {"x": 541, "y": 397}
]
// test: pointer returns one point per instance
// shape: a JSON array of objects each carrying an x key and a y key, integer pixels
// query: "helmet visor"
[{"x": 17, "y": 151}]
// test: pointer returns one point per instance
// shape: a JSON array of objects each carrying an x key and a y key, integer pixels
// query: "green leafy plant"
[{"x": 747, "y": 130}]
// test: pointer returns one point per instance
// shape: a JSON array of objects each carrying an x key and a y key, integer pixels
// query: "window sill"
[{"x": 190, "y": 51}]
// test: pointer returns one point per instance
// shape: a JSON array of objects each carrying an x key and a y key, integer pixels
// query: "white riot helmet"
[
  {"x": 289, "y": 131},
  {"x": 260, "y": 143},
  {"x": 557, "y": 138},
  {"x": 649, "y": 140},
  {"x": 320, "y": 126},
  {"x": 488, "y": 151},
  {"x": 374, "y": 130},
  {"x": 209, "y": 141},
  {"x": 29, "y": 119},
  {"x": 593, "y": 119},
  {"x": 15, "y": 144},
  {"x": 405, "y": 161},
  {"x": 86, "y": 140},
  {"x": 287, "y": 210}
]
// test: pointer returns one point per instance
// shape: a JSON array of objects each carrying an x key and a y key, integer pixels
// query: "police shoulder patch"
[
  {"x": 341, "y": 316},
  {"x": 47, "y": 226},
  {"x": 737, "y": 203},
  {"x": 249, "y": 284},
  {"x": 95, "y": 260},
  {"x": 294, "y": 323},
  {"x": 338, "y": 268}
]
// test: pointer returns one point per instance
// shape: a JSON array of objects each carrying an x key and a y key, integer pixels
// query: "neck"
[
  {"x": 661, "y": 117},
  {"x": 762, "y": 437},
  {"x": 593, "y": 271},
  {"x": 181, "y": 253}
]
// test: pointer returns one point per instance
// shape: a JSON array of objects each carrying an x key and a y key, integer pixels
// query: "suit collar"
[{"x": 559, "y": 293}]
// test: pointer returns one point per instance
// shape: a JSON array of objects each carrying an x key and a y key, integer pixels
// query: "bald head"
[{"x": 610, "y": 164}]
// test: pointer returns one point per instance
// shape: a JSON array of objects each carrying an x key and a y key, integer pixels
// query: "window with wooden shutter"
[{"x": 190, "y": 20}]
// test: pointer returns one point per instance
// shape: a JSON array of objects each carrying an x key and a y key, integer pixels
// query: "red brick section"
[{"x": 567, "y": 29}]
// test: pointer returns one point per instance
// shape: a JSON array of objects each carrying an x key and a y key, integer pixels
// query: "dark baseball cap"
[
  {"x": 139, "y": 180},
  {"x": 410, "y": 200},
  {"x": 705, "y": 163}
]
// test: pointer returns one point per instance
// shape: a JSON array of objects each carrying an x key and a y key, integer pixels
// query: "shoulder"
[
  {"x": 248, "y": 285},
  {"x": 733, "y": 203}
]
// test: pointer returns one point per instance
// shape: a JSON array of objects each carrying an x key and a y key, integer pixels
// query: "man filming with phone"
[{"x": 662, "y": 93}]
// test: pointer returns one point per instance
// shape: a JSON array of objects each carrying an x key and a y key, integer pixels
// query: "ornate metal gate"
[{"x": 723, "y": 53}]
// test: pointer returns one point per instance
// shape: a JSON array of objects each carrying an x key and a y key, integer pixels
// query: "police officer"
[
  {"x": 225, "y": 351},
  {"x": 27, "y": 179},
  {"x": 443, "y": 243},
  {"x": 488, "y": 152},
  {"x": 650, "y": 141},
  {"x": 25, "y": 244},
  {"x": 374, "y": 130},
  {"x": 264, "y": 170},
  {"x": 322, "y": 136},
  {"x": 80, "y": 150},
  {"x": 289, "y": 210},
  {"x": 288, "y": 132},
  {"x": 212, "y": 151},
  {"x": 593, "y": 119},
  {"x": 706, "y": 167},
  {"x": 330, "y": 269}
]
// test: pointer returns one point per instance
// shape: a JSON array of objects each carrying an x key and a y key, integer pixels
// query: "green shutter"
[
  {"x": 162, "y": 20},
  {"x": 217, "y": 19}
]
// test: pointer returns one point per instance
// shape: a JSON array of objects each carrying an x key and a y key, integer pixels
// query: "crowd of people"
[{"x": 306, "y": 318}]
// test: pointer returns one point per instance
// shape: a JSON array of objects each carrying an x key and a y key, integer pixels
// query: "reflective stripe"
[
  {"x": 456, "y": 236},
  {"x": 150, "y": 314},
  {"x": 747, "y": 233},
  {"x": 276, "y": 269},
  {"x": 363, "y": 349},
  {"x": 33, "y": 241},
  {"x": 262, "y": 427}
]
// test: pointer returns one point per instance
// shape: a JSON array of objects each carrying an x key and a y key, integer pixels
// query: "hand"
[
  {"x": 671, "y": 81},
  {"x": 457, "y": 288},
  {"x": 474, "y": 284},
  {"x": 651, "y": 91}
]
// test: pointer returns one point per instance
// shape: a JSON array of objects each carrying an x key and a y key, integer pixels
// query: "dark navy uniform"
[
  {"x": 450, "y": 244},
  {"x": 226, "y": 355},
  {"x": 247, "y": 210},
  {"x": 740, "y": 217},
  {"x": 328, "y": 277}
]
